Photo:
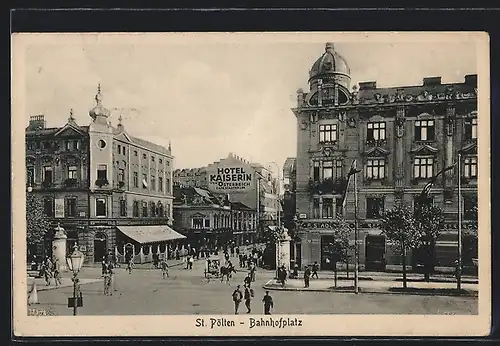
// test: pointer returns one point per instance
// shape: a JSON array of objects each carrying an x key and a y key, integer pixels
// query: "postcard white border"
[{"x": 313, "y": 325}]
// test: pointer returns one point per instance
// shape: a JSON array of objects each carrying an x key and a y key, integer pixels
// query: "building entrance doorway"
[
  {"x": 328, "y": 255},
  {"x": 375, "y": 253},
  {"x": 99, "y": 246}
]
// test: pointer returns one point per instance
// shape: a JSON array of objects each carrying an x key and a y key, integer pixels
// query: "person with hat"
[
  {"x": 268, "y": 303},
  {"x": 237, "y": 298}
]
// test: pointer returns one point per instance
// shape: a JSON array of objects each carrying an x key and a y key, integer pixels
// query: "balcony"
[
  {"x": 327, "y": 186},
  {"x": 71, "y": 182},
  {"x": 376, "y": 142},
  {"x": 101, "y": 182}
]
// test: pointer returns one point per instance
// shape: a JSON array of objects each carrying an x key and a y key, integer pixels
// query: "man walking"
[
  {"x": 164, "y": 268},
  {"x": 268, "y": 303},
  {"x": 57, "y": 272},
  {"x": 315, "y": 269},
  {"x": 237, "y": 297},
  {"x": 248, "y": 298},
  {"x": 248, "y": 280}
]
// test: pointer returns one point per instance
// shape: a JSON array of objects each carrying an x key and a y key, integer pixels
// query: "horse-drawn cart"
[{"x": 212, "y": 268}]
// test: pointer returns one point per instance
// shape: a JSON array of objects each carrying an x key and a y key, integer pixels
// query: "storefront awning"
[{"x": 150, "y": 234}]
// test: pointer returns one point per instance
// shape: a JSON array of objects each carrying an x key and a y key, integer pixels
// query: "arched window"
[{"x": 160, "y": 209}]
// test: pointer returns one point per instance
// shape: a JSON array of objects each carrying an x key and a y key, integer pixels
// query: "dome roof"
[
  {"x": 99, "y": 110},
  {"x": 330, "y": 62}
]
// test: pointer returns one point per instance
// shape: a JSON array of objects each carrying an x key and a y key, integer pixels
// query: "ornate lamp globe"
[{"x": 75, "y": 260}]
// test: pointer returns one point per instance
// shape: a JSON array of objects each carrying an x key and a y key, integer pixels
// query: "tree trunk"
[
  {"x": 347, "y": 265},
  {"x": 404, "y": 268}
]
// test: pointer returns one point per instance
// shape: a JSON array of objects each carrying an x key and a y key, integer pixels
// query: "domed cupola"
[
  {"x": 330, "y": 67},
  {"x": 99, "y": 113}
]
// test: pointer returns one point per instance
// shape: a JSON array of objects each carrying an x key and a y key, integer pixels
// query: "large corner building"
[{"x": 400, "y": 137}]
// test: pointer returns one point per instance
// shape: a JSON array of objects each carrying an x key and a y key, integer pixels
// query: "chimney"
[
  {"x": 471, "y": 79},
  {"x": 37, "y": 122},
  {"x": 367, "y": 85},
  {"x": 432, "y": 80}
]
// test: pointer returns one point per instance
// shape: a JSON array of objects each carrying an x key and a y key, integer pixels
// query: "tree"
[
  {"x": 429, "y": 221},
  {"x": 37, "y": 223},
  {"x": 399, "y": 227},
  {"x": 341, "y": 247}
]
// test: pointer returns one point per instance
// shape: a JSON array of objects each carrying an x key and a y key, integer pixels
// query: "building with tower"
[
  {"x": 108, "y": 189},
  {"x": 400, "y": 138}
]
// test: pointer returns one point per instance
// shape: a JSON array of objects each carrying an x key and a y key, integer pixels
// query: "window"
[
  {"x": 167, "y": 188},
  {"x": 121, "y": 175},
  {"x": 144, "y": 181},
  {"x": 100, "y": 207},
  {"x": 144, "y": 156},
  {"x": 71, "y": 207},
  {"x": 136, "y": 179},
  {"x": 316, "y": 171},
  {"x": 152, "y": 207},
  {"x": 160, "y": 184},
  {"x": 144, "y": 209},
  {"x": 167, "y": 210},
  {"x": 119, "y": 149},
  {"x": 76, "y": 145},
  {"x": 470, "y": 167},
  {"x": 135, "y": 152},
  {"x": 72, "y": 172},
  {"x": 167, "y": 162},
  {"x": 423, "y": 167},
  {"x": 374, "y": 207},
  {"x": 327, "y": 170},
  {"x": 135, "y": 209},
  {"x": 48, "y": 206},
  {"x": 160, "y": 161},
  {"x": 327, "y": 208},
  {"x": 198, "y": 222},
  {"x": 375, "y": 169},
  {"x": 102, "y": 172},
  {"x": 470, "y": 208},
  {"x": 160, "y": 210},
  {"x": 47, "y": 174},
  {"x": 101, "y": 144},
  {"x": 471, "y": 128},
  {"x": 67, "y": 145},
  {"x": 339, "y": 210},
  {"x": 338, "y": 168},
  {"x": 375, "y": 131},
  {"x": 207, "y": 223},
  {"x": 153, "y": 183},
  {"x": 30, "y": 176},
  {"x": 152, "y": 158},
  {"x": 124, "y": 151},
  {"x": 327, "y": 133},
  {"x": 424, "y": 130}
]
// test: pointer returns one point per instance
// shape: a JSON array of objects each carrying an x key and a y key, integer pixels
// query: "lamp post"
[{"x": 75, "y": 262}]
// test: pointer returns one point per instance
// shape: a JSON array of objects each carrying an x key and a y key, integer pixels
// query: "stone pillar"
[
  {"x": 283, "y": 251},
  {"x": 59, "y": 247},
  {"x": 399, "y": 166}
]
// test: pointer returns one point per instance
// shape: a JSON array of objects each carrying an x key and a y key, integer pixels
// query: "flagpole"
[
  {"x": 356, "y": 253},
  {"x": 459, "y": 264}
]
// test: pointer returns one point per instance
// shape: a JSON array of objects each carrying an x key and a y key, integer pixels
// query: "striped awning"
[{"x": 150, "y": 234}]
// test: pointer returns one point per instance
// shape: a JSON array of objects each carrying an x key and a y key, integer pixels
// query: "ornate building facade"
[
  {"x": 107, "y": 189},
  {"x": 400, "y": 137}
]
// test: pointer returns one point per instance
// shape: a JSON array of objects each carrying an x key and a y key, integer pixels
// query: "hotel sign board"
[{"x": 230, "y": 178}]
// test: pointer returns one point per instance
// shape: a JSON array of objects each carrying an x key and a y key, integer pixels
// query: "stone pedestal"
[
  {"x": 59, "y": 247},
  {"x": 283, "y": 251}
]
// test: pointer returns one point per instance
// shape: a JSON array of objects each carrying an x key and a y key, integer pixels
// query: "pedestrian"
[
  {"x": 248, "y": 280},
  {"x": 130, "y": 265},
  {"x": 108, "y": 280},
  {"x": 307, "y": 276},
  {"x": 252, "y": 271},
  {"x": 244, "y": 260},
  {"x": 164, "y": 268},
  {"x": 268, "y": 303},
  {"x": 295, "y": 271},
  {"x": 282, "y": 275},
  {"x": 249, "y": 294},
  {"x": 237, "y": 297},
  {"x": 177, "y": 254},
  {"x": 237, "y": 252},
  {"x": 187, "y": 259},
  {"x": 315, "y": 269},
  {"x": 190, "y": 262},
  {"x": 57, "y": 272}
]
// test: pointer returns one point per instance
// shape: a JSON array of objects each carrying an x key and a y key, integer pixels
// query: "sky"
[{"x": 212, "y": 96}]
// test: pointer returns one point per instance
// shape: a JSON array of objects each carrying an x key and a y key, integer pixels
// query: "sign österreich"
[{"x": 230, "y": 179}]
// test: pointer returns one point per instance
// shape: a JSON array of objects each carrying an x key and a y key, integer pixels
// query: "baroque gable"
[
  {"x": 122, "y": 136},
  {"x": 424, "y": 149},
  {"x": 69, "y": 130},
  {"x": 470, "y": 149},
  {"x": 376, "y": 152}
]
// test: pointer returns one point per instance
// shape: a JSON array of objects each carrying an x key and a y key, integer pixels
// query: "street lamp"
[{"x": 75, "y": 262}]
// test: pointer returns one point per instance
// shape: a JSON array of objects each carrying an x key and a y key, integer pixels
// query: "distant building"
[
  {"x": 242, "y": 180},
  {"x": 107, "y": 189},
  {"x": 400, "y": 137},
  {"x": 204, "y": 218}
]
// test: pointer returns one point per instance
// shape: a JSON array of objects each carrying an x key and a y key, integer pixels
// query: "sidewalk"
[
  {"x": 375, "y": 286},
  {"x": 66, "y": 282}
]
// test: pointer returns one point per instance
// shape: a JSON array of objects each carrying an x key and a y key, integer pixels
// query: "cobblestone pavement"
[{"x": 144, "y": 292}]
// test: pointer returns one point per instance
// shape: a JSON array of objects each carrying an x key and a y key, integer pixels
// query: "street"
[{"x": 144, "y": 292}]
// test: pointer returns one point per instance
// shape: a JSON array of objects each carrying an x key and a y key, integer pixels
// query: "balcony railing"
[
  {"x": 376, "y": 142},
  {"x": 70, "y": 182},
  {"x": 327, "y": 186},
  {"x": 101, "y": 182}
]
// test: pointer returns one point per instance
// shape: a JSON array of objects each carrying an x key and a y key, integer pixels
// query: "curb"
[
  {"x": 471, "y": 294},
  {"x": 53, "y": 287}
]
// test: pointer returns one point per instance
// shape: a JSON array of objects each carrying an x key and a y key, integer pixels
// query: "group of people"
[
  {"x": 248, "y": 294},
  {"x": 51, "y": 269}
]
